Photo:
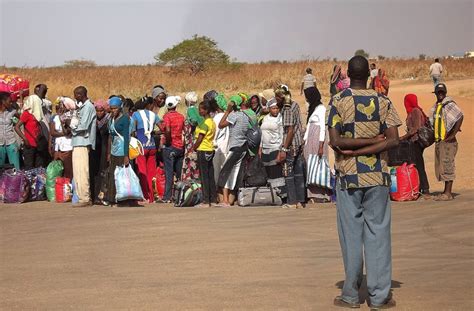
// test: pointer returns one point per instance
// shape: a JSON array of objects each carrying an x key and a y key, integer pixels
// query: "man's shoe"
[
  {"x": 289, "y": 206},
  {"x": 340, "y": 302},
  {"x": 390, "y": 303}
]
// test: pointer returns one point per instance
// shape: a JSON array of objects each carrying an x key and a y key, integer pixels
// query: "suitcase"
[
  {"x": 400, "y": 154},
  {"x": 258, "y": 196}
]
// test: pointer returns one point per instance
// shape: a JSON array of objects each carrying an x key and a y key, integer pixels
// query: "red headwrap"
[{"x": 411, "y": 102}]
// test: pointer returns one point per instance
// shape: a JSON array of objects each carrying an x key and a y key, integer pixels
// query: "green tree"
[
  {"x": 361, "y": 52},
  {"x": 195, "y": 54}
]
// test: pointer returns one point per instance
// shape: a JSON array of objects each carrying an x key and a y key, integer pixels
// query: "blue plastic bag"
[{"x": 127, "y": 185}]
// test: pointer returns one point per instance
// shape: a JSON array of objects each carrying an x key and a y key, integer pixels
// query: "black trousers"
[
  {"x": 417, "y": 159},
  {"x": 206, "y": 170},
  {"x": 34, "y": 158}
]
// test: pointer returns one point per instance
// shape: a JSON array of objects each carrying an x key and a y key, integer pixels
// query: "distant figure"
[
  {"x": 308, "y": 80},
  {"x": 344, "y": 81},
  {"x": 381, "y": 83},
  {"x": 446, "y": 117},
  {"x": 335, "y": 77},
  {"x": 436, "y": 69},
  {"x": 373, "y": 71}
]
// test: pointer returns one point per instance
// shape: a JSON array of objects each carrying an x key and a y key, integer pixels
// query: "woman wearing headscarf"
[
  {"x": 221, "y": 139},
  {"x": 98, "y": 163},
  {"x": 344, "y": 81},
  {"x": 335, "y": 77},
  {"x": 119, "y": 140},
  {"x": 143, "y": 124},
  {"x": 316, "y": 143},
  {"x": 190, "y": 168},
  {"x": 381, "y": 83},
  {"x": 61, "y": 132},
  {"x": 416, "y": 118}
]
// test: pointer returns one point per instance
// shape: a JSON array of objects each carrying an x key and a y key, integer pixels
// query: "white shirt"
[
  {"x": 374, "y": 73},
  {"x": 318, "y": 117},
  {"x": 436, "y": 69},
  {"x": 272, "y": 133},
  {"x": 221, "y": 139},
  {"x": 61, "y": 143}
]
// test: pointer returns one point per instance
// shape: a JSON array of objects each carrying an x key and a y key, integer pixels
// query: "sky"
[{"x": 47, "y": 33}]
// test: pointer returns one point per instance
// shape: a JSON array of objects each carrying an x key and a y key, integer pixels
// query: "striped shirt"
[{"x": 7, "y": 136}]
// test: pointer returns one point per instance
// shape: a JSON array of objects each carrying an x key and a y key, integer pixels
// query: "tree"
[
  {"x": 361, "y": 52},
  {"x": 421, "y": 57},
  {"x": 381, "y": 57},
  {"x": 79, "y": 63},
  {"x": 196, "y": 54}
]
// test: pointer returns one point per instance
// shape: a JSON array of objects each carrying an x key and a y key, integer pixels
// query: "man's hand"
[
  {"x": 126, "y": 161},
  {"x": 321, "y": 151},
  {"x": 281, "y": 157}
]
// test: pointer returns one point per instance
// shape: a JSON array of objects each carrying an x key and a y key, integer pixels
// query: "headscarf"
[
  {"x": 267, "y": 94},
  {"x": 172, "y": 101},
  {"x": 157, "y": 90},
  {"x": 68, "y": 103},
  {"x": 210, "y": 95},
  {"x": 191, "y": 98},
  {"x": 237, "y": 99},
  {"x": 221, "y": 101},
  {"x": 381, "y": 82},
  {"x": 314, "y": 99},
  {"x": 283, "y": 90},
  {"x": 411, "y": 102},
  {"x": 335, "y": 73},
  {"x": 101, "y": 104},
  {"x": 344, "y": 81},
  {"x": 244, "y": 96},
  {"x": 272, "y": 103},
  {"x": 115, "y": 102}
]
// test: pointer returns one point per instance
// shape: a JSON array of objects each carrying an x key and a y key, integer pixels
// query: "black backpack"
[
  {"x": 254, "y": 134},
  {"x": 255, "y": 173}
]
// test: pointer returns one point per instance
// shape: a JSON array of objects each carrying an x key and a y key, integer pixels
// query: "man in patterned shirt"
[{"x": 362, "y": 126}]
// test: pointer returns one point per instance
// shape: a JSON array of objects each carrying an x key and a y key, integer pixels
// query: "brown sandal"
[{"x": 444, "y": 197}]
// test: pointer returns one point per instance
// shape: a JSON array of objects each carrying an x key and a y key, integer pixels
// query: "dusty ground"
[{"x": 56, "y": 257}]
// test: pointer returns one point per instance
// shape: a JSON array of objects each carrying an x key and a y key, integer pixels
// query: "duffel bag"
[
  {"x": 187, "y": 193},
  {"x": 17, "y": 187},
  {"x": 407, "y": 185},
  {"x": 258, "y": 196},
  {"x": 255, "y": 173}
]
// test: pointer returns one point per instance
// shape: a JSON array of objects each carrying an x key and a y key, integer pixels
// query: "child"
[{"x": 204, "y": 146}]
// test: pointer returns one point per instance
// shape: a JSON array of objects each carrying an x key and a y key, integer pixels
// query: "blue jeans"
[
  {"x": 173, "y": 160},
  {"x": 13, "y": 155},
  {"x": 436, "y": 79},
  {"x": 363, "y": 223},
  {"x": 294, "y": 178}
]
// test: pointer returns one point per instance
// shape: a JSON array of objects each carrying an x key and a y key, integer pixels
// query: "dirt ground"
[{"x": 160, "y": 258}]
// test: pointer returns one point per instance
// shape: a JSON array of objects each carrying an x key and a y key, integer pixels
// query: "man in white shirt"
[{"x": 435, "y": 71}]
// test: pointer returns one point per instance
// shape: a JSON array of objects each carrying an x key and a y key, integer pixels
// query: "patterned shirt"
[
  {"x": 444, "y": 116},
  {"x": 7, "y": 136},
  {"x": 292, "y": 117},
  {"x": 362, "y": 114}
]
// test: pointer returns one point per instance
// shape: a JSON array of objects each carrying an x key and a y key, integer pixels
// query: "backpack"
[
  {"x": 187, "y": 193},
  {"x": 254, "y": 134},
  {"x": 255, "y": 173}
]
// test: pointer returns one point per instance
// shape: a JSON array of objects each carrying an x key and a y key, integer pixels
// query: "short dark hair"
[
  {"x": 81, "y": 90},
  {"x": 4, "y": 96},
  {"x": 309, "y": 70},
  {"x": 143, "y": 102},
  {"x": 437, "y": 60},
  {"x": 358, "y": 68},
  {"x": 373, "y": 64}
]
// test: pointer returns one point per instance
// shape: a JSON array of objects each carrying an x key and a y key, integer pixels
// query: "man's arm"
[
  {"x": 86, "y": 116},
  {"x": 20, "y": 133},
  {"x": 345, "y": 143},
  {"x": 456, "y": 128},
  {"x": 391, "y": 140},
  {"x": 302, "y": 86},
  {"x": 224, "y": 123}
]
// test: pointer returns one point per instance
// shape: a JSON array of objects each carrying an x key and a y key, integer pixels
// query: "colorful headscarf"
[
  {"x": 244, "y": 96},
  {"x": 411, "y": 102},
  {"x": 335, "y": 73},
  {"x": 283, "y": 90},
  {"x": 101, "y": 104},
  {"x": 381, "y": 83},
  {"x": 221, "y": 101},
  {"x": 237, "y": 99},
  {"x": 115, "y": 102}
]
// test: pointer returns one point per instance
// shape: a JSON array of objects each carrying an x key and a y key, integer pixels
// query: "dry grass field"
[{"x": 136, "y": 81}]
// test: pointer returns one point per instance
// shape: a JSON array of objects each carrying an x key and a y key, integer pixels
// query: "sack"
[
  {"x": 407, "y": 183},
  {"x": 159, "y": 183},
  {"x": 54, "y": 169},
  {"x": 400, "y": 154},
  {"x": 14, "y": 85},
  {"x": 254, "y": 135},
  {"x": 255, "y": 173},
  {"x": 37, "y": 179},
  {"x": 426, "y": 135},
  {"x": 258, "y": 196},
  {"x": 17, "y": 187},
  {"x": 63, "y": 190},
  {"x": 127, "y": 184},
  {"x": 318, "y": 171},
  {"x": 187, "y": 193},
  {"x": 135, "y": 148}
]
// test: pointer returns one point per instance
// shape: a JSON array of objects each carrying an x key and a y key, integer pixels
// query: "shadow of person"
[{"x": 363, "y": 293}]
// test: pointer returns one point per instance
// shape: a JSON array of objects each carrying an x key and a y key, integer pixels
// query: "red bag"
[
  {"x": 14, "y": 84},
  {"x": 408, "y": 184},
  {"x": 160, "y": 182},
  {"x": 63, "y": 190}
]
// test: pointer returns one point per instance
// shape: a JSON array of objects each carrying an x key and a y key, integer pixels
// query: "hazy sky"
[{"x": 46, "y": 33}]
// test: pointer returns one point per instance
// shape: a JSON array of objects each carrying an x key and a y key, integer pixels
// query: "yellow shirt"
[
  {"x": 208, "y": 128},
  {"x": 439, "y": 126}
]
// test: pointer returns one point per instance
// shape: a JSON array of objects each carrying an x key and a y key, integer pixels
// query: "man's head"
[
  {"x": 440, "y": 91},
  {"x": 372, "y": 66},
  {"x": 5, "y": 100},
  {"x": 159, "y": 95},
  {"x": 436, "y": 60},
  {"x": 309, "y": 70},
  {"x": 41, "y": 90},
  {"x": 80, "y": 94},
  {"x": 358, "y": 68}
]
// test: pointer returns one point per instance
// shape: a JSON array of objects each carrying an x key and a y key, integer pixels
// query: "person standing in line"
[
  {"x": 83, "y": 127},
  {"x": 362, "y": 125},
  {"x": 436, "y": 70},
  {"x": 190, "y": 168},
  {"x": 291, "y": 151},
  {"x": 61, "y": 132},
  {"x": 381, "y": 82},
  {"x": 221, "y": 139},
  {"x": 204, "y": 147},
  {"x": 447, "y": 118},
  {"x": 173, "y": 152},
  {"x": 373, "y": 71},
  {"x": 335, "y": 77},
  {"x": 8, "y": 145},
  {"x": 416, "y": 118},
  {"x": 143, "y": 123}
]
